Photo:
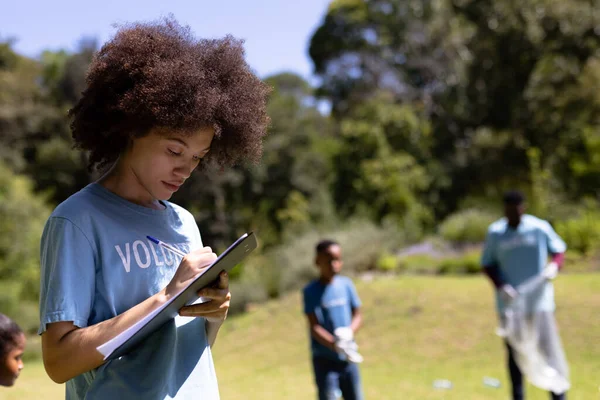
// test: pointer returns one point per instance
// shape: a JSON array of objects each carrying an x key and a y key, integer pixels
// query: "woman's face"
[
  {"x": 12, "y": 364},
  {"x": 162, "y": 160}
]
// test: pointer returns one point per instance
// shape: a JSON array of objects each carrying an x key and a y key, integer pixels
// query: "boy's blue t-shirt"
[
  {"x": 521, "y": 254},
  {"x": 96, "y": 263},
  {"x": 333, "y": 305}
]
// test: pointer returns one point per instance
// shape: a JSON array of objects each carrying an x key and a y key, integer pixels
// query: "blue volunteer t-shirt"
[
  {"x": 97, "y": 263},
  {"x": 332, "y": 304},
  {"x": 521, "y": 254}
]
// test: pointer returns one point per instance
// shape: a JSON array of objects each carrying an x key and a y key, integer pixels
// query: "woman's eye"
[{"x": 174, "y": 153}]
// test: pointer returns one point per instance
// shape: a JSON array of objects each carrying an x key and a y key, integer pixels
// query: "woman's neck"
[{"x": 123, "y": 182}]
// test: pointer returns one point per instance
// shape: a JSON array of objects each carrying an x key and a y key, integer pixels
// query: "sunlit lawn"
[{"x": 417, "y": 330}]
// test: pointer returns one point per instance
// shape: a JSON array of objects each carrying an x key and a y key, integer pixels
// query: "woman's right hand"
[{"x": 190, "y": 267}]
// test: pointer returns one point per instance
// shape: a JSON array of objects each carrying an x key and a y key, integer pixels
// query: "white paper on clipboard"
[{"x": 130, "y": 337}]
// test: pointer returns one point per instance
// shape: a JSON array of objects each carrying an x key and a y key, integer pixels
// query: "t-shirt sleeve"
[
  {"x": 354, "y": 299},
  {"x": 555, "y": 243},
  {"x": 488, "y": 256},
  {"x": 195, "y": 233},
  {"x": 67, "y": 281},
  {"x": 309, "y": 301}
]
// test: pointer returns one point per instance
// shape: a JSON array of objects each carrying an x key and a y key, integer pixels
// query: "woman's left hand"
[{"x": 216, "y": 309}]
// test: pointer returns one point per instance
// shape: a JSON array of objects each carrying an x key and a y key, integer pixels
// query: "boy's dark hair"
[
  {"x": 323, "y": 245},
  {"x": 158, "y": 74},
  {"x": 513, "y": 197},
  {"x": 9, "y": 331}
]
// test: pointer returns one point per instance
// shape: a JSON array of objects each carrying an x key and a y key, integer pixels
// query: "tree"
[
  {"x": 293, "y": 177},
  {"x": 22, "y": 218},
  {"x": 382, "y": 165},
  {"x": 408, "y": 48},
  {"x": 494, "y": 79},
  {"x": 524, "y": 87},
  {"x": 34, "y": 132}
]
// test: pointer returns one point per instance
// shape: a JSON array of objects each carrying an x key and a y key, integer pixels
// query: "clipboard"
[{"x": 131, "y": 337}]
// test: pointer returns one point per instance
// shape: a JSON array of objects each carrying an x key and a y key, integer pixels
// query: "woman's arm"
[
  {"x": 215, "y": 310},
  {"x": 69, "y": 351}
]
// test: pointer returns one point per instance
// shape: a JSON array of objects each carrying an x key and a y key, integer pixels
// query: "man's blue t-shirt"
[
  {"x": 96, "y": 263},
  {"x": 522, "y": 253},
  {"x": 333, "y": 305}
]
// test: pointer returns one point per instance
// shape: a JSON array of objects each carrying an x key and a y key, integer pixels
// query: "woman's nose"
[{"x": 185, "y": 169}]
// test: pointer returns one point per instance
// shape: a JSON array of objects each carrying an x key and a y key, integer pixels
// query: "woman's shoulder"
[
  {"x": 182, "y": 212},
  {"x": 75, "y": 206}
]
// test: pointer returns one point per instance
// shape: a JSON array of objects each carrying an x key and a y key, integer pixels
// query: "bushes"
[
  {"x": 418, "y": 264},
  {"x": 290, "y": 266},
  {"x": 466, "y": 263},
  {"x": 459, "y": 263},
  {"x": 24, "y": 313},
  {"x": 582, "y": 232},
  {"x": 387, "y": 262},
  {"x": 367, "y": 246},
  {"x": 22, "y": 218},
  {"x": 467, "y": 226},
  {"x": 9, "y": 298},
  {"x": 244, "y": 293},
  {"x": 577, "y": 262}
]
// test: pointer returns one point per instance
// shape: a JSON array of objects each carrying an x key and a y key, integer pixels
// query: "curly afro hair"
[{"x": 159, "y": 75}]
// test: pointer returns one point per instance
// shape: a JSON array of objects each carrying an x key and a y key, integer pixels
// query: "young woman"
[{"x": 158, "y": 102}]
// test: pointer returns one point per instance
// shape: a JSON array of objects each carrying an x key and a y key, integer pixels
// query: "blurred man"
[
  {"x": 517, "y": 249},
  {"x": 332, "y": 308}
]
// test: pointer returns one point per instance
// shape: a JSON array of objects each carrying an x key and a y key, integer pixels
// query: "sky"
[{"x": 276, "y": 32}]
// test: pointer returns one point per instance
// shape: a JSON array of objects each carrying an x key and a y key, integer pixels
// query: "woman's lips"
[{"x": 171, "y": 187}]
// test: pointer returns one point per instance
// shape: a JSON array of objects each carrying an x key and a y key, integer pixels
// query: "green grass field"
[{"x": 416, "y": 330}]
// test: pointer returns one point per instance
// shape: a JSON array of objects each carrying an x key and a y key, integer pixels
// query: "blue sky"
[{"x": 276, "y": 32}]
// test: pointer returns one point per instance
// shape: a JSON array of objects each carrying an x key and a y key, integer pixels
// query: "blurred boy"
[{"x": 332, "y": 308}]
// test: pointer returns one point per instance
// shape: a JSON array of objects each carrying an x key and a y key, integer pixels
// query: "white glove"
[
  {"x": 551, "y": 271},
  {"x": 508, "y": 293},
  {"x": 343, "y": 333},
  {"x": 346, "y": 346}
]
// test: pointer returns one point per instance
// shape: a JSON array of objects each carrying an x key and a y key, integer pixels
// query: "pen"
[{"x": 166, "y": 246}]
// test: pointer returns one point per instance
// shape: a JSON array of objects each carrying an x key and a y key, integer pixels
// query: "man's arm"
[
  {"x": 552, "y": 268},
  {"x": 492, "y": 269},
  {"x": 489, "y": 263},
  {"x": 493, "y": 273},
  {"x": 556, "y": 248},
  {"x": 320, "y": 334},
  {"x": 558, "y": 259}
]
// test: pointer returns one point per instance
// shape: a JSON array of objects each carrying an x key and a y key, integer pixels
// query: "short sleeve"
[
  {"x": 309, "y": 301},
  {"x": 67, "y": 282},
  {"x": 195, "y": 233},
  {"x": 555, "y": 243},
  {"x": 488, "y": 256},
  {"x": 354, "y": 299}
]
